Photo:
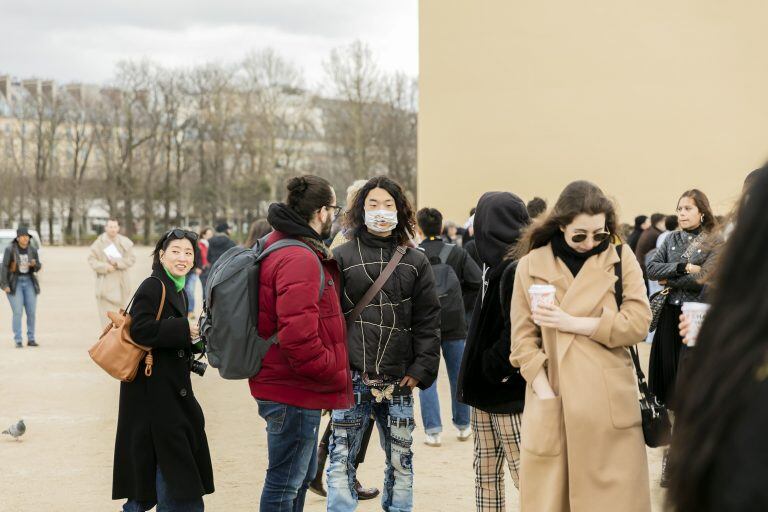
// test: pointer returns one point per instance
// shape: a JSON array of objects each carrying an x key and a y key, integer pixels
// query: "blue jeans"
[
  {"x": 453, "y": 351},
  {"x": 165, "y": 503},
  {"x": 23, "y": 299},
  {"x": 394, "y": 419},
  {"x": 292, "y": 448},
  {"x": 189, "y": 287}
]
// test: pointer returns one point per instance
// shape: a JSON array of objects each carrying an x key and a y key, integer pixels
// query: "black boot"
[{"x": 316, "y": 486}]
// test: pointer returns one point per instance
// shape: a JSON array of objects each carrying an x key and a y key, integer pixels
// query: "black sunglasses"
[
  {"x": 597, "y": 237},
  {"x": 179, "y": 233}
]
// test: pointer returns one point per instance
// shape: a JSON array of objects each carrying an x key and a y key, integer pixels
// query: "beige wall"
[{"x": 646, "y": 99}]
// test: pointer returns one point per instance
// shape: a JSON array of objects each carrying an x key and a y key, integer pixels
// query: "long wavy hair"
[
  {"x": 729, "y": 361},
  {"x": 354, "y": 218},
  {"x": 577, "y": 198}
]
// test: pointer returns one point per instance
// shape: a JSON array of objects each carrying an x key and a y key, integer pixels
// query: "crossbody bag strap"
[
  {"x": 633, "y": 349},
  {"x": 377, "y": 285}
]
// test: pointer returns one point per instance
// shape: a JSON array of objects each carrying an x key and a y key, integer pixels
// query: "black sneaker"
[
  {"x": 664, "y": 481},
  {"x": 19, "y": 345},
  {"x": 32, "y": 343}
]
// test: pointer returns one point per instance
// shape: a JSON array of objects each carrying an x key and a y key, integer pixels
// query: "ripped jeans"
[{"x": 394, "y": 418}]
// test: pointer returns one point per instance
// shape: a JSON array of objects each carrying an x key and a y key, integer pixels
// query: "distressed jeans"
[{"x": 394, "y": 419}]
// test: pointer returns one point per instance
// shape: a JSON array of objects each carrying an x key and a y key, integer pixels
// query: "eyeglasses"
[
  {"x": 597, "y": 237},
  {"x": 179, "y": 233},
  {"x": 337, "y": 210}
]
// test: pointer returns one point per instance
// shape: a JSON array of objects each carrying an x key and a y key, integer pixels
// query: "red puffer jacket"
[{"x": 309, "y": 366}]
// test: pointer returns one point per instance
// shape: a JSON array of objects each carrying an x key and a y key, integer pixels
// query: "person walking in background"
[
  {"x": 111, "y": 258},
  {"x": 205, "y": 235},
  {"x": 394, "y": 342},
  {"x": 456, "y": 274},
  {"x": 161, "y": 450},
  {"x": 536, "y": 207},
  {"x": 219, "y": 243},
  {"x": 259, "y": 229},
  {"x": 487, "y": 381},
  {"x": 582, "y": 441},
  {"x": 18, "y": 280},
  {"x": 647, "y": 241},
  {"x": 343, "y": 235},
  {"x": 191, "y": 283},
  {"x": 451, "y": 233},
  {"x": 307, "y": 369},
  {"x": 679, "y": 265},
  {"x": 718, "y": 457},
  {"x": 642, "y": 222}
]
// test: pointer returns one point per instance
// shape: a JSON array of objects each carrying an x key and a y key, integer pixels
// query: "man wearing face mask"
[
  {"x": 307, "y": 370},
  {"x": 392, "y": 310}
]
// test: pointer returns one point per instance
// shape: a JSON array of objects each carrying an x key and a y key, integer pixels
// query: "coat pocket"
[
  {"x": 542, "y": 427},
  {"x": 623, "y": 397}
]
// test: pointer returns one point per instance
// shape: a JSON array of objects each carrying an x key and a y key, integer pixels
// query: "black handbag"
[{"x": 657, "y": 429}]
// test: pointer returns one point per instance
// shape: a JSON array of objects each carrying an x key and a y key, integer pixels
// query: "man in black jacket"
[
  {"x": 487, "y": 381},
  {"x": 394, "y": 343},
  {"x": 453, "y": 330},
  {"x": 219, "y": 243}
]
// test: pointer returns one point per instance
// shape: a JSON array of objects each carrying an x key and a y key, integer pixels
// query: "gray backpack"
[{"x": 230, "y": 320}]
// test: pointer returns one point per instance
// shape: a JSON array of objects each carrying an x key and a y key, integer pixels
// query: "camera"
[{"x": 198, "y": 367}]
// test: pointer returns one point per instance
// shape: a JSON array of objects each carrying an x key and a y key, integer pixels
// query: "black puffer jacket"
[{"x": 398, "y": 334}]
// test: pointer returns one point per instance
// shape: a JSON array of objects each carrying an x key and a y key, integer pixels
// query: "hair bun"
[{"x": 298, "y": 185}]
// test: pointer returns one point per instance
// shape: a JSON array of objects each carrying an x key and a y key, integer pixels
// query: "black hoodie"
[{"x": 487, "y": 380}]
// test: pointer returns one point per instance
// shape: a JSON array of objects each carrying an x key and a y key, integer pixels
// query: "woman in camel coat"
[{"x": 582, "y": 441}]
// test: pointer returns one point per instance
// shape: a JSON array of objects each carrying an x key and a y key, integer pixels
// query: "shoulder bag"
[
  {"x": 657, "y": 429},
  {"x": 116, "y": 352}
]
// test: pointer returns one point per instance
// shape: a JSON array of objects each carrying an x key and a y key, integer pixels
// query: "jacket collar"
[
  {"x": 175, "y": 299},
  {"x": 578, "y": 296}
]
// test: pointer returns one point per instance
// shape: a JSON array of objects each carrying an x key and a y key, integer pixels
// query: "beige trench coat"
[
  {"x": 113, "y": 289},
  {"x": 583, "y": 450}
]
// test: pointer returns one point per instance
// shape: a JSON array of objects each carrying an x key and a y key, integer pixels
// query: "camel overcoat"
[
  {"x": 584, "y": 449},
  {"x": 113, "y": 289}
]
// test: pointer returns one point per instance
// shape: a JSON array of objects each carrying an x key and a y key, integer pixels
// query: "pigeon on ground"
[{"x": 16, "y": 430}]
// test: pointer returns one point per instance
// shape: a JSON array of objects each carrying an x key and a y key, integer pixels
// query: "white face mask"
[{"x": 381, "y": 221}]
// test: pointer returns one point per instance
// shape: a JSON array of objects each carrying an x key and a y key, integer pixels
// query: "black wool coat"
[
  {"x": 160, "y": 423},
  {"x": 487, "y": 380}
]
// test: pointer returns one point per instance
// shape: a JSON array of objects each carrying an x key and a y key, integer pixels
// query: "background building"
[{"x": 646, "y": 99}]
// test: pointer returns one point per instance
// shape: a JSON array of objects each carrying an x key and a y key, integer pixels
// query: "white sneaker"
[
  {"x": 465, "y": 434},
  {"x": 433, "y": 440}
]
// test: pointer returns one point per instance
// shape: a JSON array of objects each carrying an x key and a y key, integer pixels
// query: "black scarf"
[
  {"x": 572, "y": 258},
  {"x": 285, "y": 220},
  {"x": 379, "y": 242}
]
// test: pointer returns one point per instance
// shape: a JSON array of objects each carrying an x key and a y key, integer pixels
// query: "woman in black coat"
[{"x": 161, "y": 451}]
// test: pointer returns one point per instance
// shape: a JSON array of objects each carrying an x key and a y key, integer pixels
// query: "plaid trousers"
[{"x": 497, "y": 437}]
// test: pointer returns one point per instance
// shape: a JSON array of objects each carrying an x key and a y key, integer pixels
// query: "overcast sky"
[{"x": 82, "y": 40}]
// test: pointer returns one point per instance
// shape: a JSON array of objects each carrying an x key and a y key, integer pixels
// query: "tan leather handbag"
[{"x": 116, "y": 352}]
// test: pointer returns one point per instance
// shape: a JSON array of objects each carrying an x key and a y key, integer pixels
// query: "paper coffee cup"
[
  {"x": 694, "y": 312},
  {"x": 541, "y": 294}
]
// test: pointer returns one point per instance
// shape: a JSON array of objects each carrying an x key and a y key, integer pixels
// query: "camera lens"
[{"x": 198, "y": 367}]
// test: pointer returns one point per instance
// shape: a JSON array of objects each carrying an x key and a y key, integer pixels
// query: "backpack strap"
[
  {"x": 445, "y": 252},
  {"x": 291, "y": 242}
]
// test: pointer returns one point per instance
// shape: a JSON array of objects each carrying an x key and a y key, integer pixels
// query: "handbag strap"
[
  {"x": 378, "y": 284},
  {"x": 162, "y": 300},
  {"x": 619, "y": 290}
]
